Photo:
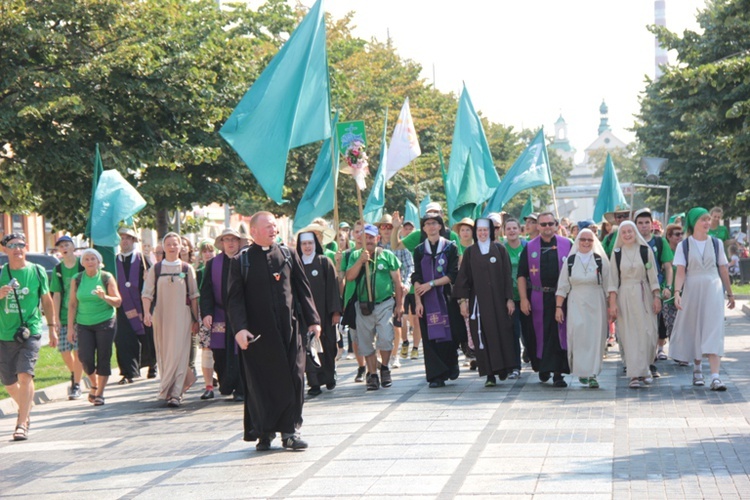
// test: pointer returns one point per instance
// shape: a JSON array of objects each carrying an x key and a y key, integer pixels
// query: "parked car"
[{"x": 48, "y": 262}]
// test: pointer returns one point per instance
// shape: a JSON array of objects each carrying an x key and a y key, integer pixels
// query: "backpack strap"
[
  {"x": 571, "y": 260},
  {"x": 618, "y": 259},
  {"x": 157, "y": 273}
]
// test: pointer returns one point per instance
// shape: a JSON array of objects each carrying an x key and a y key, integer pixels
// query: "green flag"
[
  {"x": 98, "y": 169},
  {"x": 468, "y": 195},
  {"x": 610, "y": 194},
  {"x": 373, "y": 210},
  {"x": 317, "y": 200},
  {"x": 423, "y": 205},
  {"x": 528, "y": 208},
  {"x": 531, "y": 169},
  {"x": 469, "y": 138},
  {"x": 287, "y": 106},
  {"x": 411, "y": 213}
]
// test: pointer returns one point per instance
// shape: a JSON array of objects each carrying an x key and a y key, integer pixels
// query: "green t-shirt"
[
  {"x": 32, "y": 280},
  {"x": 412, "y": 239},
  {"x": 61, "y": 284},
  {"x": 91, "y": 309},
  {"x": 515, "y": 257},
  {"x": 720, "y": 232},
  {"x": 385, "y": 263}
]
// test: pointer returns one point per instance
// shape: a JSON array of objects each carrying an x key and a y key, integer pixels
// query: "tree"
[{"x": 698, "y": 113}]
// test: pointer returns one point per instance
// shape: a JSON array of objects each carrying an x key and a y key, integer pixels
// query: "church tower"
[
  {"x": 561, "y": 144},
  {"x": 604, "y": 120}
]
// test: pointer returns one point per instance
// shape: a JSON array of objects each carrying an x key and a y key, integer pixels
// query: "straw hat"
[
  {"x": 385, "y": 219},
  {"x": 466, "y": 221},
  {"x": 219, "y": 242},
  {"x": 324, "y": 233}
]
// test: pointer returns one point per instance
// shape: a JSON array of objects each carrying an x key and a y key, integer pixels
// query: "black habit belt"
[{"x": 545, "y": 289}]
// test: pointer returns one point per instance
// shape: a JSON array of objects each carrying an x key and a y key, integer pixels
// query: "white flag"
[{"x": 404, "y": 145}]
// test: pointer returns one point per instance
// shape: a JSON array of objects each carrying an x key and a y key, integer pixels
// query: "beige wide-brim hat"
[
  {"x": 466, "y": 221},
  {"x": 219, "y": 241},
  {"x": 385, "y": 219},
  {"x": 610, "y": 216},
  {"x": 128, "y": 232},
  {"x": 324, "y": 233}
]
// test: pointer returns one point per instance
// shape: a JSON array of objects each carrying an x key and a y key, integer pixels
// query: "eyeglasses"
[
  {"x": 547, "y": 224},
  {"x": 14, "y": 246},
  {"x": 589, "y": 240},
  {"x": 677, "y": 233}
]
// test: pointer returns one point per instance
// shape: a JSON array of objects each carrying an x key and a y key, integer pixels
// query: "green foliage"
[{"x": 698, "y": 113}]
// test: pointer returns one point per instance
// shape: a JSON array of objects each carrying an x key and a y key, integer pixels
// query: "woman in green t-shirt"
[
  {"x": 94, "y": 296},
  {"x": 716, "y": 230}
]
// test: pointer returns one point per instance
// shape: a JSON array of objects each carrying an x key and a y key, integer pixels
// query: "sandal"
[
  {"x": 99, "y": 401},
  {"x": 21, "y": 433},
  {"x": 593, "y": 383},
  {"x": 634, "y": 383},
  {"x": 92, "y": 394}
]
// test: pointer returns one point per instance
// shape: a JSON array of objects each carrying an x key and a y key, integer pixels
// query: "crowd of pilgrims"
[{"x": 507, "y": 294}]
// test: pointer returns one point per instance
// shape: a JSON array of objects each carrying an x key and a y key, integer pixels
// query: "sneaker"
[
  {"x": 405, "y": 350},
  {"x": 385, "y": 377},
  {"x": 350, "y": 356},
  {"x": 593, "y": 384},
  {"x": 491, "y": 382},
  {"x": 654, "y": 372},
  {"x": 415, "y": 353},
  {"x": 373, "y": 383},
  {"x": 661, "y": 355},
  {"x": 208, "y": 394},
  {"x": 294, "y": 443},
  {"x": 583, "y": 380},
  {"x": 516, "y": 373},
  {"x": 360, "y": 374},
  {"x": 75, "y": 392},
  {"x": 395, "y": 362},
  {"x": 264, "y": 444},
  {"x": 698, "y": 379},
  {"x": 718, "y": 385}
]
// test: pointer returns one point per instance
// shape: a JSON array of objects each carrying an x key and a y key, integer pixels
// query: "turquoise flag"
[
  {"x": 373, "y": 210},
  {"x": 114, "y": 201},
  {"x": 423, "y": 205},
  {"x": 528, "y": 208},
  {"x": 287, "y": 106},
  {"x": 610, "y": 194},
  {"x": 98, "y": 169},
  {"x": 531, "y": 169},
  {"x": 411, "y": 213},
  {"x": 469, "y": 138},
  {"x": 468, "y": 195},
  {"x": 317, "y": 200}
]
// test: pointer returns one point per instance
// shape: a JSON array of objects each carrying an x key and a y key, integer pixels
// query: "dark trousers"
[{"x": 95, "y": 347}]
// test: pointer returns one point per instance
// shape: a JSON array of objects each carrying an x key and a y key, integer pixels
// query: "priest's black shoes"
[{"x": 294, "y": 443}]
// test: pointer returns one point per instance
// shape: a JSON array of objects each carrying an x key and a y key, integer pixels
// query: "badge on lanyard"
[
  {"x": 127, "y": 284},
  {"x": 314, "y": 272},
  {"x": 493, "y": 259},
  {"x": 534, "y": 255}
]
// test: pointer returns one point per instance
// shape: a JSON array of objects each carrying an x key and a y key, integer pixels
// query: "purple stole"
[
  {"x": 219, "y": 325},
  {"x": 533, "y": 252},
  {"x": 435, "y": 306},
  {"x": 130, "y": 292}
]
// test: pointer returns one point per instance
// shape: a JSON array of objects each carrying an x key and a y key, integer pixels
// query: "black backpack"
[
  {"x": 597, "y": 258},
  {"x": 644, "y": 257}
]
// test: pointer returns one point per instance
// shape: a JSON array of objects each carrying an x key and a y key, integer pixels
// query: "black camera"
[{"x": 22, "y": 334}]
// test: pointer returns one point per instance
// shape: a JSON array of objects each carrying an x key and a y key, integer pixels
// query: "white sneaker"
[{"x": 395, "y": 362}]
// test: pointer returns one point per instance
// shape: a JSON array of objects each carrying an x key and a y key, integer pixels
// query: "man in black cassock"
[
  {"x": 325, "y": 290},
  {"x": 269, "y": 296},
  {"x": 213, "y": 298},
  {"x": 134, "y": 340},
  {"x": 540, "y": 262}
]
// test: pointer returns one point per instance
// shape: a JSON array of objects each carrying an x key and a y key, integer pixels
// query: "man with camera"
[{"x": 22, "y": 286}]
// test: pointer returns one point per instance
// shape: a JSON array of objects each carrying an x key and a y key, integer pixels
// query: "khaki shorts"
[{"x": 375, "y": 332}]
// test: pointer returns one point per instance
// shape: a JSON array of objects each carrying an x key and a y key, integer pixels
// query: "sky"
[{"x": 525, "y": 62}]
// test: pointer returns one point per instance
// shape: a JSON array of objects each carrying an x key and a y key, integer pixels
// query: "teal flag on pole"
[
  {"x": 531, "y": 169},
  {"x": 287, "y": 106},
  {"x": 468, "y": 195},
  {"x": 528, "y": 208},
  {"x": 115, "y": 201},
  {"x": 610, "y": 194},
  {"x": 98, "y": 169},
  {"x": 469, "y": 138},
  {"x": 411, "y": 213},
  {"x": 317, "y": 200},
  {"x": 423, "y": 205},
  {"x": 373, "y": 210}
]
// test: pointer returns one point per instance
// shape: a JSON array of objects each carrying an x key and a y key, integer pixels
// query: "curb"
[{"x": 42, "y": 396}]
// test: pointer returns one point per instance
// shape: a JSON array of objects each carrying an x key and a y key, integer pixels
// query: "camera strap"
[{"x": 15, "y": 294}]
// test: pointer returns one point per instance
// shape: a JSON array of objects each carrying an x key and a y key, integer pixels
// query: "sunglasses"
[
  {"x": 621, "y": 216},
  {"x": 677, "y": 233},
  {"x": 547, "y": 224},
  {"x": 386, "y": 226},
  {"x": 14, "y": 246}
]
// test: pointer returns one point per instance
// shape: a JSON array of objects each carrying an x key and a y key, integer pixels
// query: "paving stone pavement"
[{"x": 521, "y": 439}]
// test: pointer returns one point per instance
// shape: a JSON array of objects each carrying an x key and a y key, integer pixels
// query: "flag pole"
[
  {"x": 364, "y": 242},
  {"x": 334, "y": 159},
  {"x": 416, "y": 183}
]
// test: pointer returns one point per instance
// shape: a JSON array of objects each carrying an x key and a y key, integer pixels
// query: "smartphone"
[{"x": 254, "y": 339}]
